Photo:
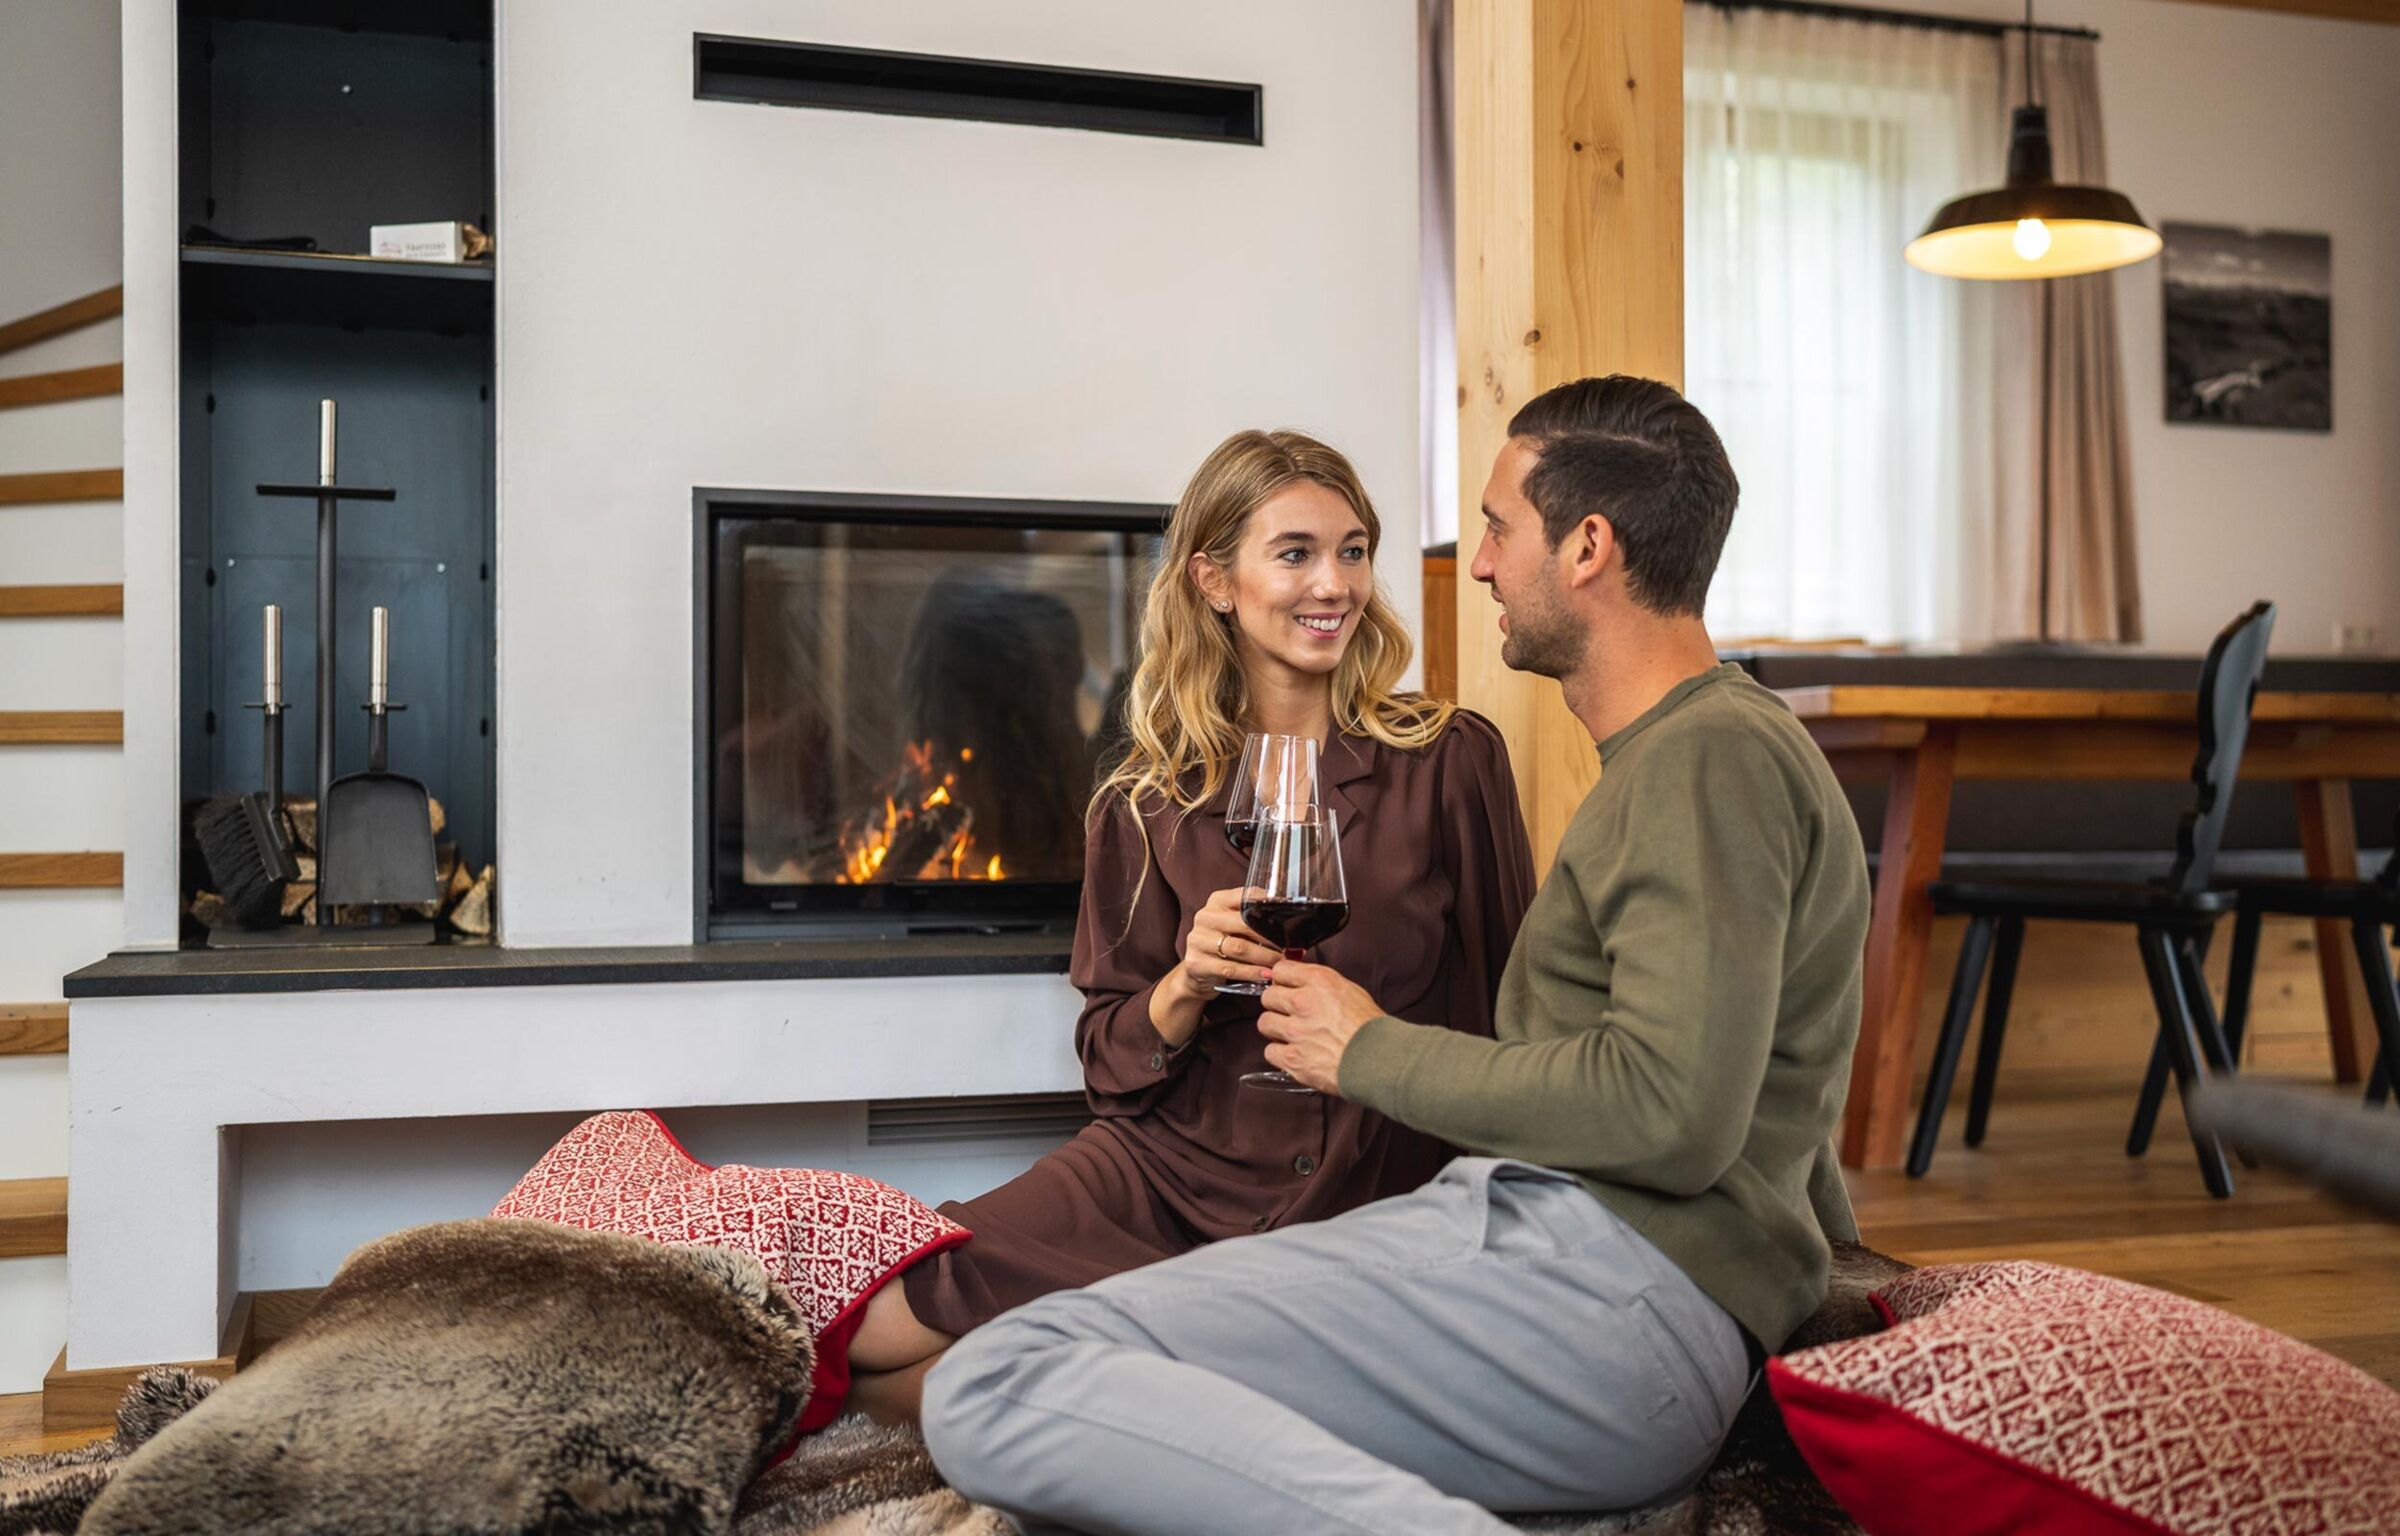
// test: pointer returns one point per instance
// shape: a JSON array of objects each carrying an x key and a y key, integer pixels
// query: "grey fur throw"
[{"x": 489, "y": 1376}]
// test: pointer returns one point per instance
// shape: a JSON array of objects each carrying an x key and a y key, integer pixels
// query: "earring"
[{"x": 1224, "y": 607}]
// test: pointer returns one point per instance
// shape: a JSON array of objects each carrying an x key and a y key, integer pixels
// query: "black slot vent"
[
  {"x": 927, "y": 85},
  {"x": 1052, "y": 1117}
]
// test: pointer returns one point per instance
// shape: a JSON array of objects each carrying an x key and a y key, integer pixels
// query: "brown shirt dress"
[{"x": 1439, "y": 874}]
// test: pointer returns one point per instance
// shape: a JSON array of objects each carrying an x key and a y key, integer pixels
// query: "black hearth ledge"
[{"x": 210, "y": 972}]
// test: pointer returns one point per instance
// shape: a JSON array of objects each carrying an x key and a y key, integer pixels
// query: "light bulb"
[{"x": 2032, "y": 239}]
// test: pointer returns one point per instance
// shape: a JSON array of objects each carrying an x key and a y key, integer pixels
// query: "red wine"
[
  {"x": 1242, "y": 834},
  {"x": 1296, "y": 924}
]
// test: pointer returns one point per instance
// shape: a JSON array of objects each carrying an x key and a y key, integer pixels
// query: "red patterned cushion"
[
  {"x": 830, "y": 1239},
  {"x": 2025, "y": 1397}
]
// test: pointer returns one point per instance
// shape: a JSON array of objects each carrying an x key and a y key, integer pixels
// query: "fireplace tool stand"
[{"x": 389, "y": 869}]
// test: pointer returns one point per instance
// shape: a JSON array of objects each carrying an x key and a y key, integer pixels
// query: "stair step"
[
  {"x": 33, "y": 1218},
  {"x": 73, "y": 315},
  {"x": 92, "y": 602},
  {"x": 65, "y": 384},
  {"x": 33, "y": 1029},
  {"x": 58, "y": 484},
  {"x": 62, "y": 727},
  {"x": 61, "y": 871}
]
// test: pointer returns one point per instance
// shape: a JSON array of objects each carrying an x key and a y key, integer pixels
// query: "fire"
[{"x": 922, "y": 823}]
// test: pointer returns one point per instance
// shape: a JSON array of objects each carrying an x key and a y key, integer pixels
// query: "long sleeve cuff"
[{"x": 1377, "y": 1061}]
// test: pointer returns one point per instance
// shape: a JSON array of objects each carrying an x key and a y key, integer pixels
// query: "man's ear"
[{"x": 1588, "y": 547}]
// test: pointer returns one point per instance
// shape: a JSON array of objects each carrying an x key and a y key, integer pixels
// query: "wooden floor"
[{"x": 2052, "y": 1182}]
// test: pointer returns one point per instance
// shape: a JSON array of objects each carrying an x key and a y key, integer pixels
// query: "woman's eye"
[
  {"x": 1293, "y": 557},
  {"x": 1355, "y": 552}
]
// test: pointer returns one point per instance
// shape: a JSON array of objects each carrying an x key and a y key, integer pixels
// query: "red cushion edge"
[
  {"x": 829, "y": 1382},
  {"x": 1883, "y": 1308},
  {"x": 1899, "y": 1476}
]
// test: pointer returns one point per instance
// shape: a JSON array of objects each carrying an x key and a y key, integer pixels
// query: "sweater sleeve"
[
  {"x": 1489, "y": 859},
  {"x": 1127, "y": 932},
  {"x": 1689, "y": 900}
]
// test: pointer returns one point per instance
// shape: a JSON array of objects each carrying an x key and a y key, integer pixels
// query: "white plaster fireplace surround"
[
  {"x": 700, "y": 293},
  {"x": 703, "y": 293}
]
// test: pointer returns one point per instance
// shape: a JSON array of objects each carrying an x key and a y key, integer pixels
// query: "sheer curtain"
[{"x": 1852, "y": 391}]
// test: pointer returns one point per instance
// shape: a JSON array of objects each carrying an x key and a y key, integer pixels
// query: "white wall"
[
  {"x": 700, "y": 293},
  {"x": 58, "y": 241},
  {"x": 2223, "y": 116}
]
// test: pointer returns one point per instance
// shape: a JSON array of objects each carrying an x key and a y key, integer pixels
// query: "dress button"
[
  {"x": 1158, "y": 1061},
  {"x": 1304, "y": 1165},
  {"x": 1258, "y": 1224}
]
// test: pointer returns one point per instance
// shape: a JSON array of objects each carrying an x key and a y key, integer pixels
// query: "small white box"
[{"x": 419, "y": 242}]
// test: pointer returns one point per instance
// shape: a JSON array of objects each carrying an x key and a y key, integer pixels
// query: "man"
[{"x": 1570, "y": 1316}]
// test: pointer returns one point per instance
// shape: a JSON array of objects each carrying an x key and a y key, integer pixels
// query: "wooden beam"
[
  {"x": 61, "y": 871},
  {"x": 2384, "y": 11},
  {"x": 66, "y": 384},
  {"x": 93, "y": 602},
  {"x": 62, "y": 485},
  {"x": 33, "y": 1029},
  {"x": 62, "y": 727},
  {"x": 1441, "y": 626},
  {"x": 1568, "y": 146},
  {"x": 33, "y": 1218},
  {"x": 73, "y": 315}
]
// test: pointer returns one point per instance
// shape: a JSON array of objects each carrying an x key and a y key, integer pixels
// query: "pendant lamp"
[{"x": 2033, "y": 226}]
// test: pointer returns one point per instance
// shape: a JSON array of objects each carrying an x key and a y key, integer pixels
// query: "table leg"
[
  {"x": 2329, "y": 841},
  {"x": 1915, "y": 821}
]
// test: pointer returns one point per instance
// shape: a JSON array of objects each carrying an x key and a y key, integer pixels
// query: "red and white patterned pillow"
[
  {"x": 830, "y": 1239},
  {"x": 2024, "y": 1397}
]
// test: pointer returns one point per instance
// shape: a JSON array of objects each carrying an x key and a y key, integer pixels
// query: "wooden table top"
[{"x": 1908, "y": 702}]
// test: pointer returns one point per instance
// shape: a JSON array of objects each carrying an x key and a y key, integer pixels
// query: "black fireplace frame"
[{"x": 1013, "y": 906}]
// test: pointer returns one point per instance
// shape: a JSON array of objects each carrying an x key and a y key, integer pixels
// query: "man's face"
[{"x": 1540, "y": 631}]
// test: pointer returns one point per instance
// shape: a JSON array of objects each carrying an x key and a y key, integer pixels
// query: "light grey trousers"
[{"x": 1498, "y": 1340}]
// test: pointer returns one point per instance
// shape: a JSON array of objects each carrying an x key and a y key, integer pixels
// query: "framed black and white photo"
[{"x": 2249, "y": 327}]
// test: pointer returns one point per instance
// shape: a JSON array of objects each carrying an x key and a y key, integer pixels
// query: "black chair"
[
  {"x": 2368, "y": 906},
  {"x": 2172, "y": 919}
]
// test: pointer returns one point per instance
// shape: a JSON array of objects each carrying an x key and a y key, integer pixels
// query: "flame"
[{"x": 867, "y": 846}]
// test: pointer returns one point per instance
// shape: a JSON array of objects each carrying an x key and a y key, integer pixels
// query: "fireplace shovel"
[{"x": 375, "y": 829}]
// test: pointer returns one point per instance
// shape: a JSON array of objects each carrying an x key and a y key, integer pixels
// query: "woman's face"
[{"x": 1298, "y": 583}]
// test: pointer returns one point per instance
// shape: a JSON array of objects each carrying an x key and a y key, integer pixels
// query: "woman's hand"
[{"x": 1221, "y": 947}]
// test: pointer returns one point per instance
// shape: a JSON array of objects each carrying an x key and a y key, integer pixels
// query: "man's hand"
[{"x": 1311, "y": 1013}]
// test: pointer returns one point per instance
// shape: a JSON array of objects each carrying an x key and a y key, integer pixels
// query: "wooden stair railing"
[
  {"x": 73, "y": 315},
  {"x": 72, "y": 602},
  {"x": 65, "y": 384},
  {"x": 33, "y": 1029}
]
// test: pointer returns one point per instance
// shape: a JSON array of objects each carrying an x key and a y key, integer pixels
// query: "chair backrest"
[
  {"x": 2228, "y": 682},
  {"x": 2390, "y": 878}
]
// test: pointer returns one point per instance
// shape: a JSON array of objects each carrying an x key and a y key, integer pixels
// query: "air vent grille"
[{"x": 1052, "y": 1117}]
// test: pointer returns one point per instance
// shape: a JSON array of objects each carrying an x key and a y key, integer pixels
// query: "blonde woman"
[{"x": 1264, "y": 616}]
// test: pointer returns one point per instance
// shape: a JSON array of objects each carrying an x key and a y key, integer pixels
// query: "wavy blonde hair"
[{"x": 1185, "y": 712}]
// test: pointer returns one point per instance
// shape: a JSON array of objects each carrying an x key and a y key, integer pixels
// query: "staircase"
[{"x": 48, "y": 924}]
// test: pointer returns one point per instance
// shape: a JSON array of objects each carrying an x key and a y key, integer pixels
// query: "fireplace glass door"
[{"x": 906, "y": 701}]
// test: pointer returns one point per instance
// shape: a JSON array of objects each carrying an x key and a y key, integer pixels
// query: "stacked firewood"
[{"x": 464, "y": 905}]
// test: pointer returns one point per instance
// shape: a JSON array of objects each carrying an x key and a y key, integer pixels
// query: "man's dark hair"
[{"x": 1639, "y": 454}]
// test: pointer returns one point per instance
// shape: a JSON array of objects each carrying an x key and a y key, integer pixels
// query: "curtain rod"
[{"x": 1894, "y": 18}]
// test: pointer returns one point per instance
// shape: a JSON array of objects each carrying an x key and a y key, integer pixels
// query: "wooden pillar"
[{"x": 1568, "y": 148}]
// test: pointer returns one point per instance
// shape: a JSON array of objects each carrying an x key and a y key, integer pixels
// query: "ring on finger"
[{"x": 1220, "y": 946}]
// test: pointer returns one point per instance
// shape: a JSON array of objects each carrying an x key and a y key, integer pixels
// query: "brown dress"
[{"x": 1439, "y": 875}]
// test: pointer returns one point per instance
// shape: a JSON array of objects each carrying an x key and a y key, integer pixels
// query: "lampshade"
[{"x": 2033, "y": 226}]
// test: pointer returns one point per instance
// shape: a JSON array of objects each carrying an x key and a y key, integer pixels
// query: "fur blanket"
[
  {"x": 489, "y": 1376},
  {"x": 852, "y": 1479}
]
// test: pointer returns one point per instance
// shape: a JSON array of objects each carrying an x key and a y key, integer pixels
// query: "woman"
[{"x": 1263, "y": 617}]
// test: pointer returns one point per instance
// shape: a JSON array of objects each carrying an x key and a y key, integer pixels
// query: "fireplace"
[{"x": 900, "y": 704}]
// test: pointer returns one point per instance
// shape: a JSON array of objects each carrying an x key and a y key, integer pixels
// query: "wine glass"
[
  {"x": 1295, "y": 898},
  {"x": 1276, "y": 775}
]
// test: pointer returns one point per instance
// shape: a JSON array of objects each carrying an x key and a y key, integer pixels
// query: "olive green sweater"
[{"x": 1676, "y": 1020}]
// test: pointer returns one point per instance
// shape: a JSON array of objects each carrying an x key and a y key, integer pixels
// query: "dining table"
[{"x": 1922, "y": 739}]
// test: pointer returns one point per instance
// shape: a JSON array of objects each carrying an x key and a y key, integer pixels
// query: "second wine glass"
[{"x": 1295, "y": 898}]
